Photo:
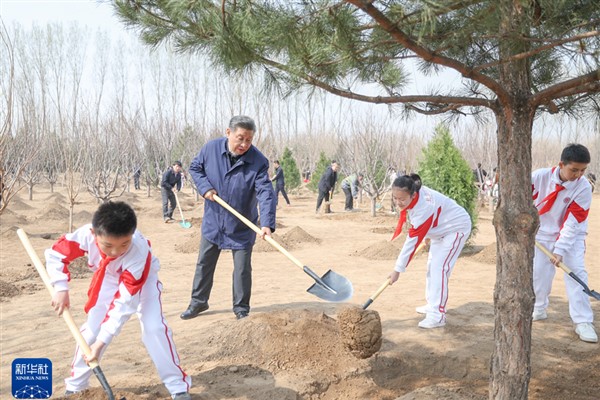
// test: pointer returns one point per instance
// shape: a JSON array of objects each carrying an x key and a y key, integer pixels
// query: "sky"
[
  {"x": 100, "y": 14},
  {"x": 86, "y": 12}
]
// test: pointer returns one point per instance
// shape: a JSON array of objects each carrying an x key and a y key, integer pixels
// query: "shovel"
[
  {"x": 387, "y": 282},
  {"x": 184, "y": 224},
  {"x": 586, "y": 289},
  {"x": 330, "y": 287},
  {"x": 94, "y": 366}
]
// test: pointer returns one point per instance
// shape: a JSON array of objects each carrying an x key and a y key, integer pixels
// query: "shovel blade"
[
  {"x": 341, "y": 285},
  {"x": 185, "y": 224},
  {"x": 593, "y": 294}
]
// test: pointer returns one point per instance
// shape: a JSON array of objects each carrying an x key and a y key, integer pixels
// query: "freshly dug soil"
[{"x": 360, "y": 331}]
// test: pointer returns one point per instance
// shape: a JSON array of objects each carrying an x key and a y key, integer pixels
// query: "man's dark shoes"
[
  {"x": 241, "y": 314},
  {"x": 193, "y": 311}
]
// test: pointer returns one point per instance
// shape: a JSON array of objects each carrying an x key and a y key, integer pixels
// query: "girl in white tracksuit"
[
  {"x": 125, "y": 282},
  {"x": 563, "y": 197},
  {"x": 448, "y": 226}
]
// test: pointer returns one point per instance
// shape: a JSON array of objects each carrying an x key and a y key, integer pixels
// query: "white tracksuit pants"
[
  {"x": 156, "y": 335},
  {"x": 443, "y": 253},
  {"x": 580, "y": 308}
]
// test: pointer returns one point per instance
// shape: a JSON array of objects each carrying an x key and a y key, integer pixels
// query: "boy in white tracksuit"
[
  {"x": 563, "y": 197},
  {"x": 440, "y": 219},
  {"x": 125, "y": 281}
]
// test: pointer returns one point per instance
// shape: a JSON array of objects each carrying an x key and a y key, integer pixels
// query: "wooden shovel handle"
[
  {"x": 387, "y": 282},
  {"x": 256, "y": 229},
  {"x": 46, "y": 278},
  {"x": 551, "y": 256}
]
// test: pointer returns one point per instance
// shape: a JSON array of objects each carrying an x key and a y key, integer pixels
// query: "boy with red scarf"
[{"x": 563, "y": 197}]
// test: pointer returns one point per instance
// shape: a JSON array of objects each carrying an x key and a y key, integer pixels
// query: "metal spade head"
[
  {"x": 185, "y": 224},
  {"x": 593, "y": 294},
  {"x": 337, "y": 289}
]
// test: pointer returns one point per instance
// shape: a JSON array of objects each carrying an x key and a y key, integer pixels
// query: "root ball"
[{"x": 360, "y": 331}]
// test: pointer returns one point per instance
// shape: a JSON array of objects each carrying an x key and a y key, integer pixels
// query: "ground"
[{"x": 290, "y": 347}]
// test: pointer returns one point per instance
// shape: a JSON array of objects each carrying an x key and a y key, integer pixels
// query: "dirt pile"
[
  {"x": 297, "y": 235},
  {"x": 305, "y": 343},
  {"x": 57, "y": 198},
  {"x": 361, "y": 331},
  {"x": 54, "y": 212},
  {"x": 79, "y": 268},
  {"x": 17, "y": 204},
  {"x": 7, "y": 290},
  {"x": 191, "y": 244},
  {"x": 264, "y": 246},
  {"x": 487, "y": 255}
]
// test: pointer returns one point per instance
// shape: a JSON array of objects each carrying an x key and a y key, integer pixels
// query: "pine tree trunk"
[
  {"x": 515, "y": 218},
  {"x": 515, "y": 221}
]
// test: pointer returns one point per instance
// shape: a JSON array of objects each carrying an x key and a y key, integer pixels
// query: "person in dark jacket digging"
[
  {"x": 232, "y": 168},
  {"x": 279, "y": 179},
  {"x": 327, "y": 184},
  {"x": 171, "y": 180}
]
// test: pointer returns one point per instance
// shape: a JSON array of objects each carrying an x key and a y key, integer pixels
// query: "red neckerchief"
[
  {"x": 402, "y": 219},
  {"x": 550, "y": 199},
  {"x": 96, "y": 282}
]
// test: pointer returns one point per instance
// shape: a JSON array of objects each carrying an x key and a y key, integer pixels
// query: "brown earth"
[{"x": 292, "y": 346}]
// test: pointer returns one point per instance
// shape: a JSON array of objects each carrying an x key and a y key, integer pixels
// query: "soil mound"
[
  {"x": 297, "y": 235},
  {"x": 264, "y": 246},
  {"x": 84, "y": 216},
  {"x": 17, "y": 204},
  {"x": 79, "y": 268},
  {"x": 387, "y": 230},
  {"x": 383, "y": 250},
  {"x": 191, "y": 244},
  {"x": 17, "y": 218},
  {"x": 10, "y": 233},
  {"x": 298, "y": 341},
  {"x": 54, "y": 212},
  {"x": 361, "y": 331},
  {"x": 7, "y": 290},
  {"x": 57, "y": 198},
  {"x": 487, "y": 255}
]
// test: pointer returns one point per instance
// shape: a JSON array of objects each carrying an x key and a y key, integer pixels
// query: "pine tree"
[
  {"x": 444, "y": 169},
  {"x": 290, "y": 170},
  {"x": 322, "y": 165}
]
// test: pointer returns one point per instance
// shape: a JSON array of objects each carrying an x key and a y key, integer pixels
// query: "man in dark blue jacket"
[
  {"x": 171, "y": 180},
  {"x": 279, "y": 179},
  {"x": 327, "y": 184},
  {"x": 238, "y": 173}
]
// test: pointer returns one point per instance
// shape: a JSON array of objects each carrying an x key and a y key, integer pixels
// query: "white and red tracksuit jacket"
[
  {"x": 432, "y": 215},
  {"x": 566, "y": 220},
  {"x": 130, "y": 269}
]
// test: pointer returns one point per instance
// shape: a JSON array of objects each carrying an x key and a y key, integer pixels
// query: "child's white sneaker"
[
  {"x": 539, "y": 315},
  {"x": 430, "y": 323},
  {"x": 586, "y": 332}
]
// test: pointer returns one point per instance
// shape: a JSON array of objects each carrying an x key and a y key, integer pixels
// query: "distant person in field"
[
  {"x": 137, "y": 173},
  {"x": 350, "y": 187},
  {"x": 279, "y": 179},
  {"x": 562, "y": 196},
  {"x": 447, "y": 225},
  {"x": 327, "y": 184},
  {"x": 171, "y": 180},
  {"x": 125, "y": 282},
  {"x": 235, "y": 170}
]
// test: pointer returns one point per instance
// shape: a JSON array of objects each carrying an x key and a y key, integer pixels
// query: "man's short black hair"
[
  {"x": 575, "y": 152},
  {"x": 114, "y": 218},
  {"x": 177, "y": 163}
]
